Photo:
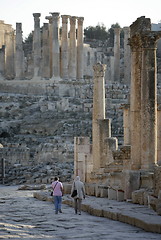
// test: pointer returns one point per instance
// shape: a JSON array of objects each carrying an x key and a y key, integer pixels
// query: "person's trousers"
[
  {"x": 77, "y": 205},
  {"x": 57, "y": 203}
]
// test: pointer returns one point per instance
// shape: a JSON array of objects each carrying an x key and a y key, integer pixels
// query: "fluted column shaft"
[
  {"x": 37, "y": 44},
  {"x": 19, "y": 56},
  {"x": 127, "y": 56},
  {"x": 116, "y": 54},
  {"x": 55, "y": 46},
  {"x": 80, "y": 48},
  {"x": 50, "y": 44},
  {"x": 45, "y": 52},
  {"x": 72, "y": 50},
  {"x": 64, "y": 47},
  {"x": 135, "y": 102},
  {"x": 149, "y": 101},
  {"x": 9, "y": 64}
]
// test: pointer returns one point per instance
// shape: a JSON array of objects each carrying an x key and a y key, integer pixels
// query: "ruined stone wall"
[{"x": 39, "y": 120}]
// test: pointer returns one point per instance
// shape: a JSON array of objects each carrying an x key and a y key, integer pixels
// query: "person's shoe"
[
  {"x": 60, "y": 211},
  {"x": 56, "y": 212},
  {"x": 79, "y": 213}
]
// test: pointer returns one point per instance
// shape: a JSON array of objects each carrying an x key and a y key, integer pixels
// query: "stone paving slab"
[
  {"x": 134, "y": 214},
  {"x": 24, "y": 217}
]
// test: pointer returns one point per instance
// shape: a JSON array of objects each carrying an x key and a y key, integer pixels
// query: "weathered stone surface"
[{"x": 25, "y": 217}]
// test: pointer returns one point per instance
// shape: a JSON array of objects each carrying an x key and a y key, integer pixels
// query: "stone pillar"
[
  {"x": 116, "y": 54},
  {"x": 159, "y": 135},
  {"x": 127, "y": 56},
  {"x": 135, "y": 101},
  {"x": 50, "y": 44},
  {"x": 19, "y": 56},
  {"x": 37, "y": 45},
  {"x": 2, "y": 33},
  {"x": 126, "y": 124},
  {"x": 98, "y": 113},
  {"x": 82, "y": 157},
  {"x": 55, "y": 46},
  {"x": 72, "y": 50},
  {"x": 149, "y": 101},
  {"x": 80, "y": 48},
  {"x": 64, "y": 47},
  {"x": 9, "y": 59},
  {"x": 2, "y": 62},
  {"x": 45, "y": 52}
]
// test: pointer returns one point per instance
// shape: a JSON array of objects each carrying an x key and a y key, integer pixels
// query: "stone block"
[
  {"x": 90, "y": 189},
  {"x": 131, "y": 182},
  {"x": 112, "y": 194},
  {"x": 152, "y": 202},
  {"x": 120, "y": 195},
  {"x": 138, "y": 196}
]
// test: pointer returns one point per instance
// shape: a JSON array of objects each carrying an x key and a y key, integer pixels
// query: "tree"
[{"x": 98, "y": 32}]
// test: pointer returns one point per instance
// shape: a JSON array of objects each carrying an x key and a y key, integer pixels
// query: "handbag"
[
  {"x": 51, "y": 194},
  {"x": 74, "y": 193}
]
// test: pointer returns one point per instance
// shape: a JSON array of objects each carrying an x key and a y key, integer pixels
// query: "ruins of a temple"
[{"x": 107, "y": 99}]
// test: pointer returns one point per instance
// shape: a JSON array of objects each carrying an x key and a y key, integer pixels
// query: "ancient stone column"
[
  {"x": 45, "y": 52},
  {"x": 72, "y": 50},
  {"x": 19, "y": 56},
  {"x": 37, "y": 45},
  {"x": 116, "y": 54},
  {"x": 64, "y": 47},
  {"x": 135, "y": 101},
  {"x": 2, "y": 62},
  {"x": 149, "y": 101},
  {"x": 2, "y": 33},
  {"x": 127, "y": 56},
  {"x": 55, "y": 46},
  {"x": 9, "y": 58},
  {"x": 50, "y": 44},
  {"x": 80, "y": 48},
  {"x": 98, "y": 112}
]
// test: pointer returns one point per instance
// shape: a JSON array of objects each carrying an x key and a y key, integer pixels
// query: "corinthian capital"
[{"x": 99, "y": 70}]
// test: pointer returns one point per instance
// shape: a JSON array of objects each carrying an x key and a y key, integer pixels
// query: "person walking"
[
  {"x": 80, "y": 194},
  {"x": 57, "y": 193}
]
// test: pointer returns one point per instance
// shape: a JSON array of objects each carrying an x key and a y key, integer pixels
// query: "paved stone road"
[{"x": 24, "y": 217}]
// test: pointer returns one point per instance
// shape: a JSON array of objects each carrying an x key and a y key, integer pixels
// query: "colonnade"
[{"x": 64, "y": 56}]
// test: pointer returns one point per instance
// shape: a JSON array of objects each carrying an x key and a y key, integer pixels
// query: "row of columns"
[
  {"x": 69, "y": 62},
  {"x": 143, "y": 97},
  {"x": 127, "y": 56}
]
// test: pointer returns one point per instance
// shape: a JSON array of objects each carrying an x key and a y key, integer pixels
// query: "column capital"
[
  {"x": 126, "y": 30},
  {"x": 80, "y": 20},
  {"x": 45, "y": 26},
  {"x": 49, "y": 18},
  {"x": 117, "y": 30},
  {"x": 65, "y": 18},
  {"x": 135, "y": 42},
  {"x": 99, "y": 70},
  {"x": 72, "y": 19},
  {"x": 55, "y": 15},
  {"x": 36, "y": 15},
  {"x": 149, "y": 40}
]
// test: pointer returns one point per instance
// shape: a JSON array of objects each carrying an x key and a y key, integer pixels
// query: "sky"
[{"x": 106, "y": 12}]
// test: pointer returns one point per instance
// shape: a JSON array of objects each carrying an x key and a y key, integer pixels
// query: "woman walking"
[
  {"x": 80, "y": 194},
  {"x": 57, "y": 193}
]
